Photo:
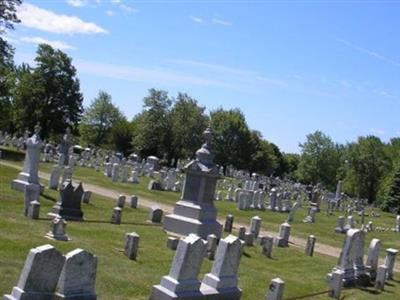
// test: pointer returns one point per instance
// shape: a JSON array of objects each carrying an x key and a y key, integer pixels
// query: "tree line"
[{"x": 171, "y": 128}]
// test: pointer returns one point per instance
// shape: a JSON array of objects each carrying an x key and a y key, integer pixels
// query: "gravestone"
[
  {"x": 155, "y": 215},
  {"x": 86, "y": 196},
  {"x": 255, "y": 226},
  {"x": 57, "y": 230},
  {"x": 293, "y": 210},
  {"x": 373, "y": 257},
  {"x": 335, "y": 284},
  {"x": 65, "y": 144},
  {"x": 38, "y": 279},
  {"x": 34, "y": 210},
  {"x": 121, "y": 201},
  {"x": 222, "y": 281},
  {"x": 131, "y": 245},
  {"x": 242, "y": 232},
  {"x": 389, "y": 262},
  {"x": 31, "y": 193},
  {"x": 397, "y": 229},
  {"x": 310, "y": 218},
  {"x": 310, "y": 245},
  {"x": 69, "y": 204},
  {"x": 133, "y": 201},
  {"x": 267, "y": 244},
  {"x": 340, "y": 225},
  {"x": 381, "y": 277},
  {"x": 284, "y": 233},
  {"x": 54, "y": 177},
  {"x": 229, "y": 223},
  {"x": 275, "y": 289},
  {"x": 249, "y": 239},
  {"x": 30, "y": 171},
  {"x": 172, "y": 243},
  {"x": 182, "y": 281},
  {"x": 78, "y": 276},
  {"x": 135, "y": 177},
  {"x": 116, "y": 215},
  {"x": 211, "y": 246},
  {"x": 195, "y": 212}
]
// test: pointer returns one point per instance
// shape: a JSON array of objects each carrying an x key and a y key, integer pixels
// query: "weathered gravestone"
[
  {"x": 196, "y": 212},
  {"x": 39, "y": 276},
  {"x": 275, "y": 289},
  {"x": 78, "y": 276},
  {"x": 131, "y": 245},
  {"x": 373, "y": 257},
  {"x": 31, "y": 193},
  {"x": 389, "y": 261},
  {"x": 57, "y": 230},
  {"x": 222, "y": 281},
  {"x": 182, "y": 281},
  {"x": 155, "y": 214},
  {"x": 69, "y": 204}
]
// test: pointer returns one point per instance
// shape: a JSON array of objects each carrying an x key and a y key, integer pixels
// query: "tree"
[
  {"x": 121, "y": 136},
  {"x": 187, "y": 121},
  {"x": 291, "y": 163},
  {"x": 391, "y": 200},
  {"x": 48, "y": 94},
  {"x": 232, "y": 138},
  {"x": 154, "y": 130},
  {"x": 367, "y": 163},
  {"x": 8, "y": 17},
  {"x": 319, "y": 160},
  {"x": 98, "y": 120},
  {"x": 263, "y": 159}
]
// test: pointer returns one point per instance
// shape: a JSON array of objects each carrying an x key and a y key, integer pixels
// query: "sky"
[{"x": 292, "y": 67}]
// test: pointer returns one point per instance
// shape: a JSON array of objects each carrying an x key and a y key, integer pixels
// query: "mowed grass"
[
  {"x": 120, "y": 278},
  {"x": 323, "y": 229}
]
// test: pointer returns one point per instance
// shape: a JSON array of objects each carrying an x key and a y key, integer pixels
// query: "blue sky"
[{"x": 292, "y": 67}]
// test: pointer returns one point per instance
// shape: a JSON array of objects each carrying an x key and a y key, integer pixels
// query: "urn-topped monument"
[
  {"x": 195, "y": 212},
  {"x": 30, "y": 172}
]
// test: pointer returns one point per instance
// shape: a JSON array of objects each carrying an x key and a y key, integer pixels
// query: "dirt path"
[{"x": 145, "y": 202}]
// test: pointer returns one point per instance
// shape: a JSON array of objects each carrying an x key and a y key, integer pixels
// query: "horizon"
[{"x": 291, "y": 68}]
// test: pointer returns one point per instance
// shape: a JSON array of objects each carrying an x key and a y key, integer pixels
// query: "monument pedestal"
[{"x": 22, "y": 181}]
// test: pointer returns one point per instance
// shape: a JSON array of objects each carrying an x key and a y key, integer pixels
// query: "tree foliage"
[
  {"x": 99, "y": 119},
  {"x": 391, "y": 200}
]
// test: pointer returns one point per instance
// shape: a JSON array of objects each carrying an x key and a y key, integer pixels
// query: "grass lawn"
[{"x": 120, "y": 278}]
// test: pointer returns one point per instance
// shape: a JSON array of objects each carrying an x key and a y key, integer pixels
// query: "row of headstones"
[
  {"x": 47, "y": 274},
  {"x": 351, "y": 269}
]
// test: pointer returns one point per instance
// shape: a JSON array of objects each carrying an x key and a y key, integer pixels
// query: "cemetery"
[{"x": 170, "y": 198}]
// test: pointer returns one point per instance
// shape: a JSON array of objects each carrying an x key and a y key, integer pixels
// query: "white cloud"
[
  {"x": 77, "y": 3},
  {"x": 221, "y": 22},
  {"x": 38, "y": 18},
  {"x": 127, "y": 8},
  {"x": 197, "y": 19},
  {"x": 110, "y": 13},
  {"x": 55, "y": 44}
]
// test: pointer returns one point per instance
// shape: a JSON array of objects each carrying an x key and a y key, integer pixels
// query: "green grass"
[{"x": 120, "y": 278}]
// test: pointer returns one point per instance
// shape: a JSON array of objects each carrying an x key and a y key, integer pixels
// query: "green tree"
[
  {"x": 232, "y": 143},
  {"x": 187, "y": 121},
  {"x": 319, "y": 160},
  {"x": 291, "y": 163},
  {"x": 367, "y": 164},
  {"x": 98, "y": 120},
  {"x": 153, "y": 125},
  {"x": 391, "y": 200},
  {"x": 48, "y": 94},
  {"x": 121, "y": 136},
  {"x": 8, "y": 17},
  {"x": 263, "y": 159}
]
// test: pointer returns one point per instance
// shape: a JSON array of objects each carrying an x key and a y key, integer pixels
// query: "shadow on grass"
[
  {"x": 122, "y": 223},
  {"x": 50, "y": 198}
]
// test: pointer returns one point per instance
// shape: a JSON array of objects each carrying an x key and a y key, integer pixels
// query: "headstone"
[
  {"x": 229, "y": 223},
  {"x": 389, "y": 262},
  {"x": 86, "y": 196},
  {"x": 121, "y": 201},
  {"x": 133, "y": 201},
  {"x": 131, "y": 245},
  {"x": 34, "y": 210},
  {"x": 69, "y": 204},
  {"x": 267, "y": 245},
  {"x": 397, "y": 229},
  {"x": 242, "y": 232},
  {"x": 311, "y": 215},
  {"x": 172, "y": 243},
  {"x": 57, "y": 230},
  {"x": 115, "y": 172},
  {"x": 222, "y": 281},
  {"x": 65, "y": 144},
  {"x": 135, "y": 177},
  {"x": 67, "y": 175},
  {"x": 350, "y": 223},
  {"x": 154, "y": 185},
  {"x": 195, "y": 212},
  {"x": 310, "y": 245},
  {"x": 335, "y": 284},
  {"x": 211, "y": 246},
  {"x": 182, "y": 280},
  {"x": 31, "y": 193},
  {"x": 381, "y": 277},
  {"x": 255, "y": 226},
  {"x": 54, "y": 177},
  {"x": 108, "y": 169},
  {"x": 373, "y": 257},
  {"x": 116, "y": 215},
  {"x": 38, "y": 279},
  {"x": 249, "y": 239},
  {"x": 78, "y": 276},
  {"x": 155, "y": 215},
  {"x": 340, "y": 225},
  {"x": 30, "y": 171},
  {"x": 284, "y": 233},
  {"x": 293, "y": 210},
  {"x": 275, "y": 289}
]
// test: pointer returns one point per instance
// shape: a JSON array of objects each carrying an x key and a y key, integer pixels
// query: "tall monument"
[
  {"x": 195, "y": 212},
  {"x": 30, "y": 172}
]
